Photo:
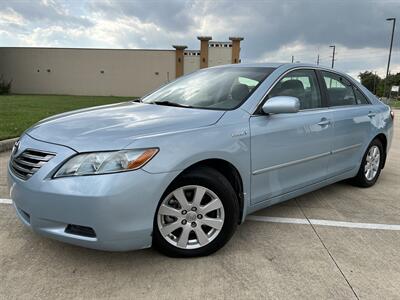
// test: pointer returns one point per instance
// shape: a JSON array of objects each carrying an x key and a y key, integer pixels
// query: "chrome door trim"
[
  {"x": 346, "y": 148},
  {"x": 299, "y": 161},
  {"x": 290, "y": 163}
]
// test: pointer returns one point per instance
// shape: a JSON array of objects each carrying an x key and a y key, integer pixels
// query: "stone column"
[
  {"x": 236, "y": 49},
  {"x": 179, "y": 59},
  {"x": 204, "y": 50}
]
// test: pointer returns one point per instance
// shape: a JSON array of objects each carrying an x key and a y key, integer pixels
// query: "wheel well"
[
  {"x": 382, "y": 138},
  {"x": 230, "y": 173}
]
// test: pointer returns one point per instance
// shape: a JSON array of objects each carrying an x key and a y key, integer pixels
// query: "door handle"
[
  {"x": 371, "y": 114},
  {"x": 324, "y": 122}
]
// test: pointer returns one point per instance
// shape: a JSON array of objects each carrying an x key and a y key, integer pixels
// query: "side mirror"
[{"x": 281, "y": 105}]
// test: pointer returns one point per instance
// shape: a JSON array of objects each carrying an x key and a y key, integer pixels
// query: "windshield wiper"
[{"x": 169, "y": 103}]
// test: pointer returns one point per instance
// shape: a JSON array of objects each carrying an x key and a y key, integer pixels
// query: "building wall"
[
  {"x": 118, "y": 72},
  {"x": 191, "y": 61},
  {"x": 220, "y": 55},
  {"x": 86, "y": 71}
]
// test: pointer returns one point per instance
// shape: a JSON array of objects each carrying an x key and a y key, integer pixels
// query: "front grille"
[{"x": 29, "y": 162}]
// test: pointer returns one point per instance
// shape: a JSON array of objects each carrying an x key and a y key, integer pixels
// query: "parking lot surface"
[{"x": 268, "y": 258}]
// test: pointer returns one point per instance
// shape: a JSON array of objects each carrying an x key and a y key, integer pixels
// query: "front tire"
[
  {"x": 371, "y": 165},
  {"x": 197, "y": 214}
]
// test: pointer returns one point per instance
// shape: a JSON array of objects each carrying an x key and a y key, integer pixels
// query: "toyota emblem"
[{"x": 15, "y": 148}]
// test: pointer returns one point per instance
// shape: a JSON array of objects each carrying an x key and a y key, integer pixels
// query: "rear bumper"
[{"x": 119, "y": 207}]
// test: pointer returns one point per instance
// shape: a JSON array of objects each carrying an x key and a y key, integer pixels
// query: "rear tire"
[
  {"x": 197, "y": 229},
  {"x": 371, "y": 165}
]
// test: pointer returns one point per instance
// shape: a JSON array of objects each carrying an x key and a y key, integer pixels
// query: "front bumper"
[{"x": 119, "y": 207}]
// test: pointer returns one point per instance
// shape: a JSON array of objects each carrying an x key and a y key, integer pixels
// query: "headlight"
[{"x": 106, "y": 162}]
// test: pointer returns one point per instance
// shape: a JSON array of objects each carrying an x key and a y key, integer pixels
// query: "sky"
[{"x": 273, "y": 31}]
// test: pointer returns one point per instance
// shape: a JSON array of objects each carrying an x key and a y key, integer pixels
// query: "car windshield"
[{"x": 215, "y": 88}]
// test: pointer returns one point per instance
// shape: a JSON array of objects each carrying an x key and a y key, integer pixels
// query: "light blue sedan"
[{"x": 180, "y": 168}]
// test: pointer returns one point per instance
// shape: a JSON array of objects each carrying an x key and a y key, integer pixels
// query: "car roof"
[
  {"x": 284, "y": 66},
  {"x": 277, "y": 65}
]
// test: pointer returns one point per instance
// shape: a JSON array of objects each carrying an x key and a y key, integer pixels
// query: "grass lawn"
[
  {"x": 18, "y": 112},
  {"x": 395, "y": 104}
]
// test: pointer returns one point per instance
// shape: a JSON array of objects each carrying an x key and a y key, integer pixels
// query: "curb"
[{"x": 7, "y": 145}]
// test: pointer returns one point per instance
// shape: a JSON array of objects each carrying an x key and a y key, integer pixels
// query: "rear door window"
[
  {"x": 340, "y": 90},
  {"x": 360, "y": 98}
]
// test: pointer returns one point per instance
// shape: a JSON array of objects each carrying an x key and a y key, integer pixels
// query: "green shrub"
[{"x": 5, "y": 86}]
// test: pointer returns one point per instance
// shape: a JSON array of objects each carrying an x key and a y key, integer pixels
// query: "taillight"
[{"x": 392, "y": 114}]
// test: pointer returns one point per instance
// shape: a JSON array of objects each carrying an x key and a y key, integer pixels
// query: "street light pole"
[
  {"x": 333, "y": 54},
  {"x": 390, "y": 54}
]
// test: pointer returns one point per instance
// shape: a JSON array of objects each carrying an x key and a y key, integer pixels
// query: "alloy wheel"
[
  {"x": 372, "y": 163},
  {"x": 190, "y": 217}
]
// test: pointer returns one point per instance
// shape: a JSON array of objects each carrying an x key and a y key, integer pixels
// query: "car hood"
[{"x": 113, "y": 127}]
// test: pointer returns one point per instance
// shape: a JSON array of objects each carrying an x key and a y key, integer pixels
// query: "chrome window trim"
[{"x": 347, "y": 106}]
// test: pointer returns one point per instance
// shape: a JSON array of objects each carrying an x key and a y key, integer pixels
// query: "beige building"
[{"x": 118, "y": 72}]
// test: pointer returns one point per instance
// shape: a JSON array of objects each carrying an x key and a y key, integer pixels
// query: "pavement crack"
[{"x": 327, "y": 250}]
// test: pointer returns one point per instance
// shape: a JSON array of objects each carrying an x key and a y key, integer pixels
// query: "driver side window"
[{"x": 301, "y": 84}]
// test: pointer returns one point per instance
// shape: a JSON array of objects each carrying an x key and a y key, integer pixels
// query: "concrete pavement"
[{"x": 263, "y": 260}]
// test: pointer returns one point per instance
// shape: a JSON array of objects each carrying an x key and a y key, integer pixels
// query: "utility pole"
[
  {"x": 292, "y": 59},
  {"x": 375, "y": 83},
  {"x": 318, "y": 60},
  {"x": 390, "y": 54},
  {"x": 333, "y": 54}
]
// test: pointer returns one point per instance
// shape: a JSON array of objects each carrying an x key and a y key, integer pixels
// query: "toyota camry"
[{"x": 182, "y": 167}]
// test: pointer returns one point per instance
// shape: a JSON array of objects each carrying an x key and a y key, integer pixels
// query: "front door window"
[{"x": 301, "y": 84}]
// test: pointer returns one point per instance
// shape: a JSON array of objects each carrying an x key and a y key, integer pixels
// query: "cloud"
[
  {"x": 171, "y": 15},
  {"x": 44, "y": 12},
  {"x": 273, "y": 30}
]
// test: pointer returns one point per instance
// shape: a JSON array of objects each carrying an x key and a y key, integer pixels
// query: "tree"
[
  {"x": 391, "y": 81},
  {"x": 370, "y": 80},
  {"x": 376, "y": 84}
]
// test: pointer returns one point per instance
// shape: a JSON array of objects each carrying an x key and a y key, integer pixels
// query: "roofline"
[
  {"x": 292, "y": 66},
  {"x": 315, "y": 66},
  {"x": 76, "y": 48}
]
